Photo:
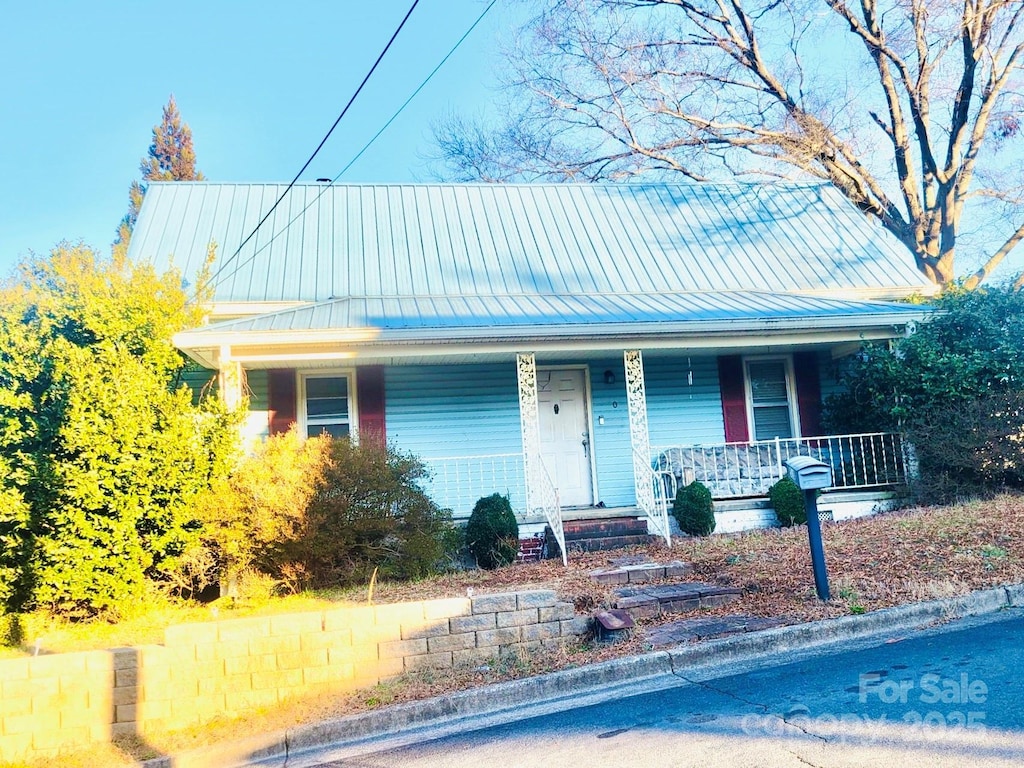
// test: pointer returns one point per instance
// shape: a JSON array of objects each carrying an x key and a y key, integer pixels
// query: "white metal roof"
[{"x": 557, "y": 240}]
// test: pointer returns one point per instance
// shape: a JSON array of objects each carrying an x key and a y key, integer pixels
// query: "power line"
[
  {"x": 368, "y": 144},
  {"x": 322, "y": 141}
]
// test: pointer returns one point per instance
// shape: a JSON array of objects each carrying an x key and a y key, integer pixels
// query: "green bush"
[
  {"x": 492, "y": 533},
  {"x": 788, "y": 502},
  {"x": 955, "y": 388},
  {"x": 367, "y": 511},
  {"x": 694, "y": 509},
  {"x": 103, "y": 457}
]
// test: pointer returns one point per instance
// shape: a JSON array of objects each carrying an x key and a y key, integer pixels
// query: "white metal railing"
[
  {"x": 545, "y": 493},
  {"x": 457, "y": 482},
  {"x": 650, "y": 497},
  {"x": 734, "y": 470}
]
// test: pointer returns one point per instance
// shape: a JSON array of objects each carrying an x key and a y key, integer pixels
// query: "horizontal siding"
[
  {"x": 613, "y": 453},
  {"x": 201, "y": 381},
  {"x": 257, "y": 424},
  {"x": 679, "y": 413},
  {"x": 442, "y": 412}
]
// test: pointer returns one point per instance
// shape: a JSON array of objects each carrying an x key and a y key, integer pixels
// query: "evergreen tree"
[
  {"x": 102, "y": 456},
  {"x": 171, "y": 157}
]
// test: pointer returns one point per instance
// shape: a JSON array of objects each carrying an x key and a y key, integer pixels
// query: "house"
[{"x": 583, "y": 348}]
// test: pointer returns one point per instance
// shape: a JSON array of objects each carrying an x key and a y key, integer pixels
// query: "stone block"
[
  {"x": 125, "y": 713},
  {"x": 557, "y": 612},
  {"x": 279, "y": 678},
  {"x": 473, "y": 657},
  {"x": 243, "y": 665},
  {"x": 409, "y": 614},
  {"x": 125, "y": 696},
  {"x": 15, "y": 746},
  {"x": 473, "y": 623},
  {"x": 433, "y": 628},
  {"x": 269, "y": 645},
  {"x": 126, "y": 677},
  {"x": 429, "y": 661},
  {"x": 458, "y": 642},
  {"x": 536, "y": 598},
  {"x": 239, "y": 681},
  {"x": 446, "y": 609},
  {"x": 13, "y": 669},
  {"x": 677, "y": 569},
  {"x": 243, "y": 629},
  {"x": 302, "y": 659},
  {"x": 610, "y": 576},
  {"x": 347, "y": 618},
  {"x": 324, "y": 675},
  {"x": 190, "y": 634},
  {"x": 494, "y": 603},
  {"x": 516, "y": 618},
  {"x": 222, "y": 650},
  {"x": 578, "y": 626},
  {"x": 296, "y": 624},
  {"x": 244, "y": 701},
  {"x": 541, "y": 631},
  {"x": 400, "y": 648},
  {"x": 14, "y": 705},
  {"x": 337, "y": 638},
  {"x": 497, "y": 637}
]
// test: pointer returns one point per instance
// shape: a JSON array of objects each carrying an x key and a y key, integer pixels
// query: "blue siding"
[{"x": 443, "y": 412}]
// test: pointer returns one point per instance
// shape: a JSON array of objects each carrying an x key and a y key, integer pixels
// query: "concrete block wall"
[
  {"x": 235, "y": 666},
  {"x": 52, "y": 703}
]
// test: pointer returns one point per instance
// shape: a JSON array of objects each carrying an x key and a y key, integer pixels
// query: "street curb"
[{"x": 505, "y": 701}]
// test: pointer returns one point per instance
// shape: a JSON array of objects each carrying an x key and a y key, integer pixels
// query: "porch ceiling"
[{"x": 495, "y": 327}]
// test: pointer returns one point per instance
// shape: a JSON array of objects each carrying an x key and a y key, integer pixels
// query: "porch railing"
[
  {"x": 457, "y": 482},
  {"x": 735, "y": 470}
]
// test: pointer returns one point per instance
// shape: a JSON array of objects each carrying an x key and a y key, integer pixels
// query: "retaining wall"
[{"x": 58, "y": 702}]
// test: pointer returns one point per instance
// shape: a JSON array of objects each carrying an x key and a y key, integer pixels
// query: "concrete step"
[
  {"x": 638, "y": 573},
  {"x": 576, "y": 530},
  {"x": 654, "y": 601}
]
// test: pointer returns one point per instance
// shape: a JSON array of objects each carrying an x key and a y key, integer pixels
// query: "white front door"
[{"x": 564, "y": 434}]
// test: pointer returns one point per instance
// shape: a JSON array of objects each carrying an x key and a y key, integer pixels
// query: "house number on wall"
[{"x": 556, "y": 409}]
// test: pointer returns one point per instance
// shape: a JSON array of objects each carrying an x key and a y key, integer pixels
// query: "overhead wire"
[
  {"x": 380, "y": 57},
  {"x": 366, "y": 146}
]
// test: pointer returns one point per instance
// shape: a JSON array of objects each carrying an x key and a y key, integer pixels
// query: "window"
[
  {"x": 769, "y": 398},
  {"x": 327, "y": 405}
]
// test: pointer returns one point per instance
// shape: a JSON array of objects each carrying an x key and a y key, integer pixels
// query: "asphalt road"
[{"x": 951, "y": 696}]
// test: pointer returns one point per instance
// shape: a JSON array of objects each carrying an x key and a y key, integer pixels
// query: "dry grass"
[{"x": 878, "y": 562}]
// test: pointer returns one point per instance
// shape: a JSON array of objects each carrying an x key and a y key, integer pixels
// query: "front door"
[{"x": 564, "y": 434}]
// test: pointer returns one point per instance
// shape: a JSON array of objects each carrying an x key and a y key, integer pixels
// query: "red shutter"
[
  {"x": 370, "y": 401},
  {"x": 808, "y": 392},
  {"x": 734, "y": 399},
  {"x": 281, "y": 396}
]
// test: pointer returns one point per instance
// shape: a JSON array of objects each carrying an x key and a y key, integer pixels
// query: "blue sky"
[{"x": 258, "y": 82}]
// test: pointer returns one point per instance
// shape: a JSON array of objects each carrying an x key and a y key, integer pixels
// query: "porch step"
[{"x": 600, "y": 535}]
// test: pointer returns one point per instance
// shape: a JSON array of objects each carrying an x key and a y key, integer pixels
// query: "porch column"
[
  {"x": 229, "y": 378},
  {"x": 540, "y": 491},
  {"x": 640, "y": 438}
]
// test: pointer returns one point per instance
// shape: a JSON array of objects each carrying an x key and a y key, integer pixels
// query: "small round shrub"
[
  {"x": 694, "y": 509},
  {"x": 788, "y": 502},
  {"x": 492, "y": 533}
]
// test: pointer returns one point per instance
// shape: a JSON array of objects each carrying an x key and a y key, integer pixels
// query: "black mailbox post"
[{"x": 810, "y": 476}]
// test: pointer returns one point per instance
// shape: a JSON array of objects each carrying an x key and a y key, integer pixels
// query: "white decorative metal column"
[
  {"x": 643, "y": 474},
  {"x": 229, "y": 378},
  {"x": 541, "y": 493}
]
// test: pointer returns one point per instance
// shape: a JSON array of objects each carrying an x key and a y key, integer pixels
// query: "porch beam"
[{"x": 640, "y": 438}]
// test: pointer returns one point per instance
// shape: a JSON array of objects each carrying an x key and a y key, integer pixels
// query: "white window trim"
[
  {"x": 329, "y": 373},
  {"x": 794, "y": 411}
]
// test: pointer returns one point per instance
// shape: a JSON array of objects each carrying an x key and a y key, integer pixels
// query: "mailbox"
[{"x": 809, "y": 474}]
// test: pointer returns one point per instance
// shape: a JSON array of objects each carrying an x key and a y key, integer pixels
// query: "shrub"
[
  {"x": 954, "y": 387},
  {"x": 788, "y": 502},
  {"x": 367, "y": 511},
  {"x": 492, "y": 533},
  {"x": 694, "y": 509}
]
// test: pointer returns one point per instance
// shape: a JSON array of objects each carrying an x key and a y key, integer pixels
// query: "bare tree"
[{"x": 909, "y": 107}]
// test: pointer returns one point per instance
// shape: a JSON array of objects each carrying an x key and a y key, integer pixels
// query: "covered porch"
[{"x": 570, "y": 405}]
